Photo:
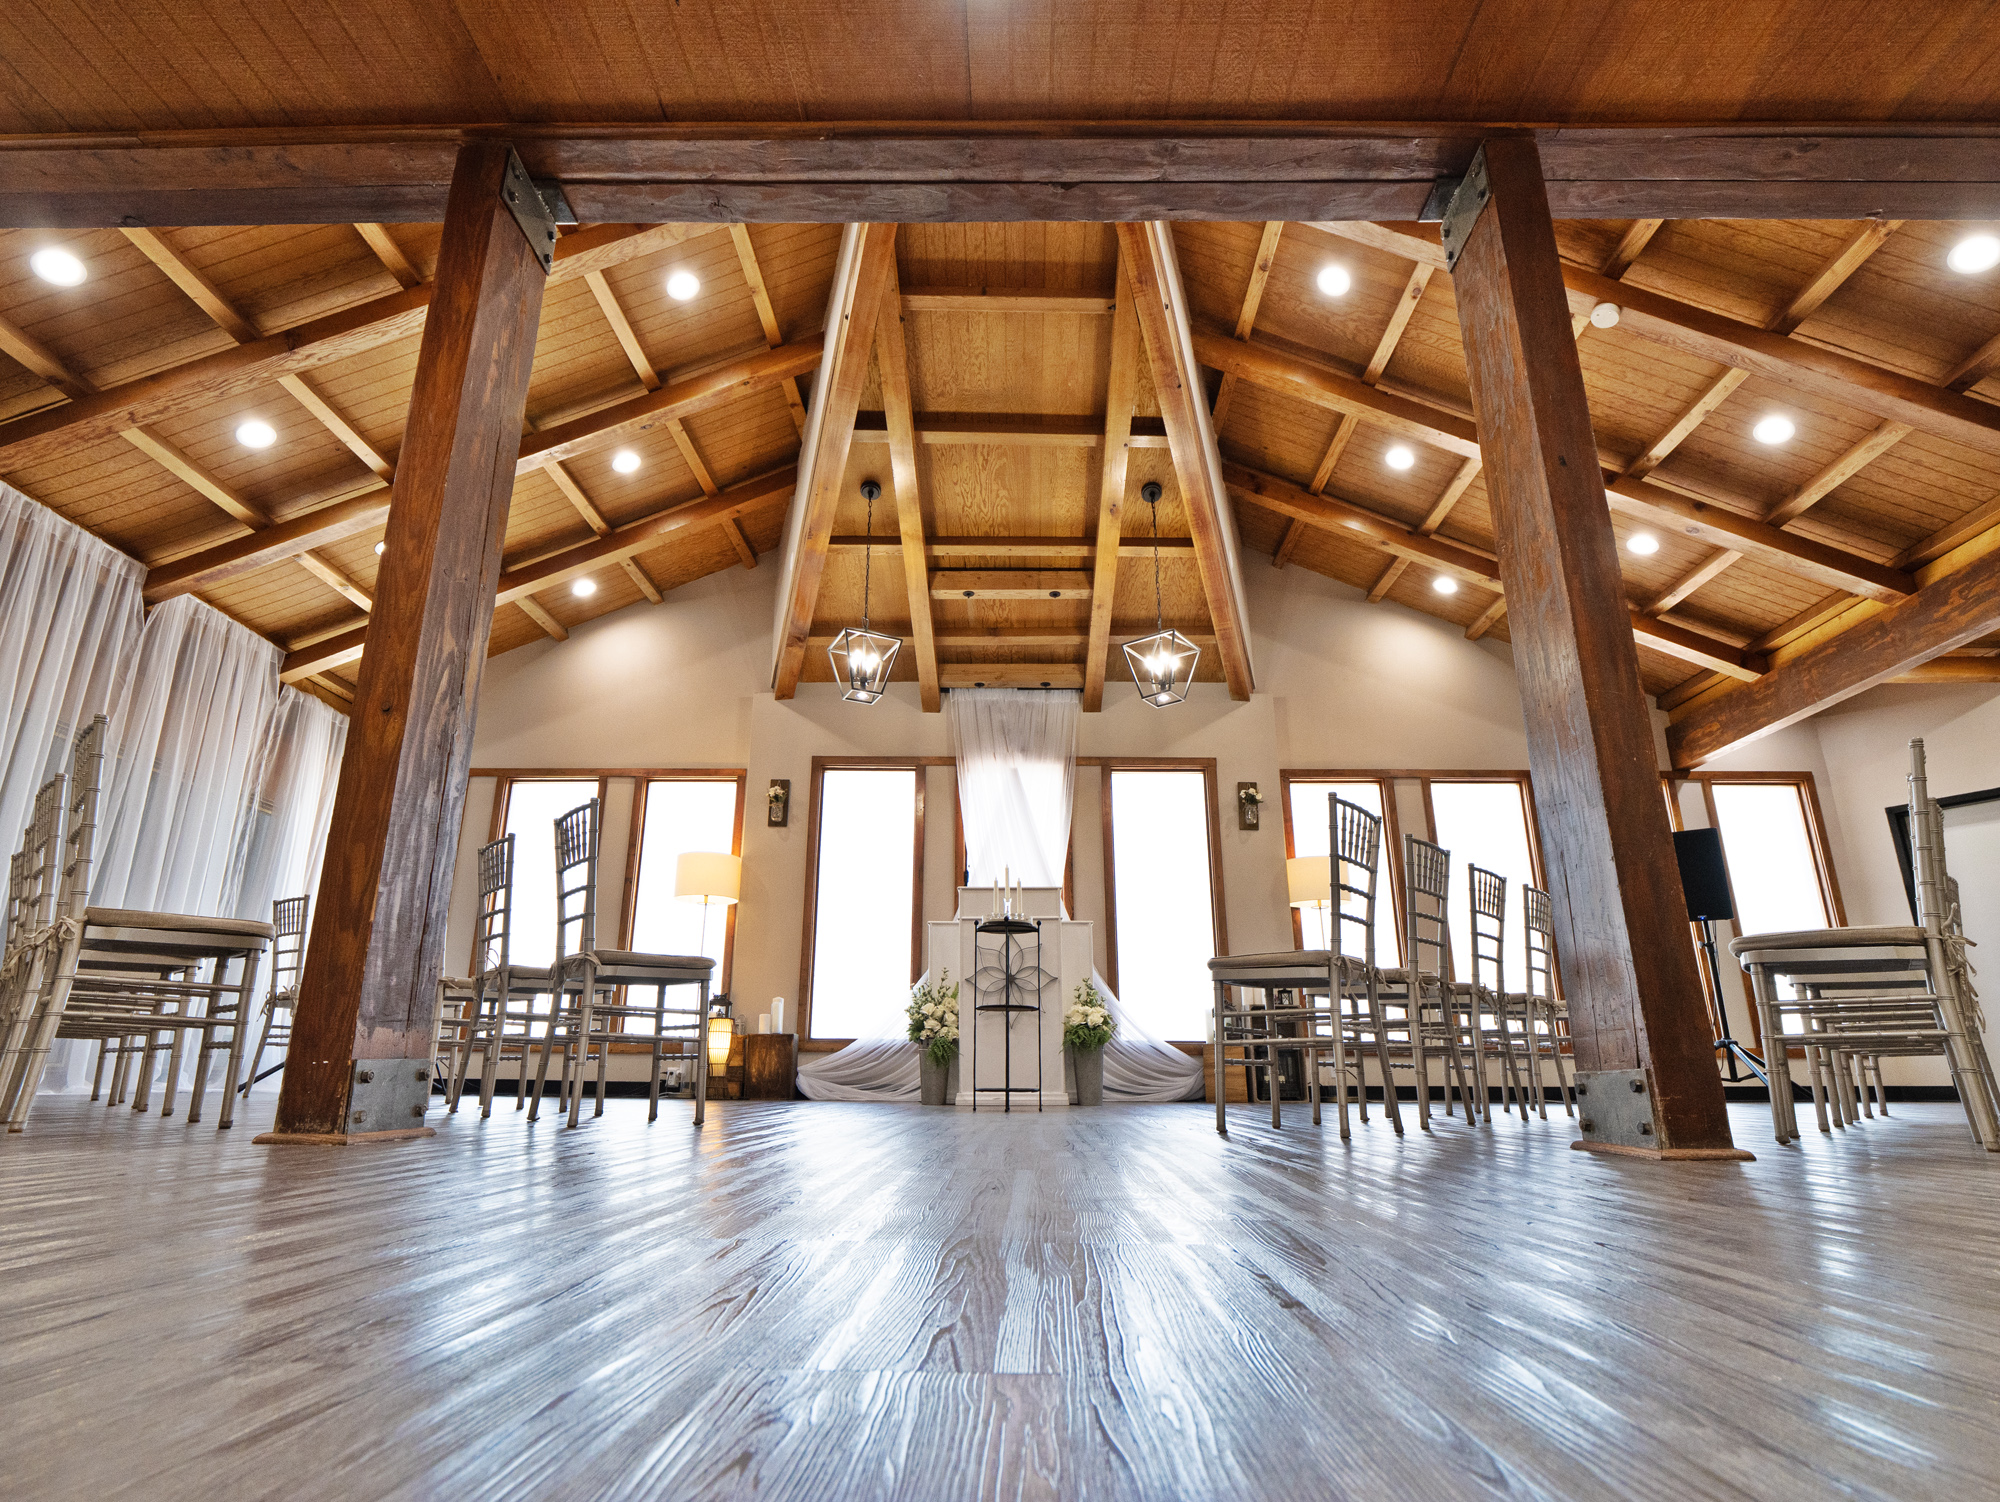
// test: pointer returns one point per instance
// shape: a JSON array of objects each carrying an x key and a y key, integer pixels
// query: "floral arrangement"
[
  {"x": 1088, "y": 1023},
  {"x": 933, "y": 1014}
]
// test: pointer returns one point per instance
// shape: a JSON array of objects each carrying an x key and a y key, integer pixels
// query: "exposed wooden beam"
[
  {"x": 767, "y": 315},
  {"x": 1011, "y": 546},
  {"x": 1488, "y": 618},
  {"x": 229, "y": 373},
  {"x": 1121, "y": 393},
  {"x": 1981, "y": 518},
  {"x": 1953, "y": 670},
  {"x": 574, "y": 494},
  {"x": 1003, "y": 300},
  {"x": 643, "y": 581},
  {"x": 390, "y": 254},
  {"x": 1957, "y": 609},
  {"x": 369, "y": 988},
  {"x": 1413, "y": 242},
  {"x": 25, "y": 349},
  {"x": 1689, "y": 582},
  {"x": 1454, "y": 491},
  {"x": 1866, "y": 239},
  {"x": 1975, "y": 367},
  {"x": 1399, "y": 320},
  {"x": 1886, "y": 436},
  {"x": 860, "y": 278},
  {"x": 1343, "y": 434},
  {"x": 1387, "y": 580},
  {"x": 892, "y": 361},
  {"x": 1253, "y": 295},
  {"x": 1012, "y": 429},
  {"x": 362, "y": 511},
  {"x": 339, "y": 582},
  {"x": 1009, "y": 584},
  {"x": 1011, "y": 675},
  {"x": 1638, "y": 235},
  {"x": 202, "y": 292},
  {"x": 1628, "y": 970},
  {"x": 1153, "y": 273},
  {"x": 1713, "y": 395},
  {"x": 568, "y": 564},
  {"x": 549, "y": 625},
  {"x": 186, "y": 470},
  {"x": 334, "y": 423},
  {"x": 622, "y": 330},
  {"x": 1288, "y": 544},
  {"x": 746, "y": 554}
]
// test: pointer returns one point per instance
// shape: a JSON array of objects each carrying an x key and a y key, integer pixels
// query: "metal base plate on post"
[
  {"x": 1614, "y": 1108},
  {"x": 386, "y": 1101}
]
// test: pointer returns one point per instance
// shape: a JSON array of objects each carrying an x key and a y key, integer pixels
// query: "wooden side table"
[{"x": 770, "y": 1066}]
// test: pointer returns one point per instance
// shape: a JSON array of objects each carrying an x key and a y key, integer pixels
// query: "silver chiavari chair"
[
  {"x": 590, "y": 979},
  {"x": 1486, "y": 990},
  {"x": 288, "y": 960},
  {"x": 1362, "y": 1012},
  {"x": 1423, "y": 991},
  {"x": 499, "y": 1018},
  {"x": 1541, "y": 1012},
  {"x": 31, "y": 916},
  {"x": 108, "y": 973}
]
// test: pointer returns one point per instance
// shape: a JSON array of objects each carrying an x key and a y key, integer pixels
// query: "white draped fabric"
[{"x": 1016, "y": 754}]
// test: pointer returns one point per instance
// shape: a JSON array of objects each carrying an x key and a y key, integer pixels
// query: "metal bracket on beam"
[
  {"x": 1462, "y": 212},
  {"x": 557, "y": 201},
  {"x": 530, "y": 210},
  {"x": 1439, "y": 203},
  {"x": 388, "y": 1095},
  {"x": 1615, "y": 1108}
]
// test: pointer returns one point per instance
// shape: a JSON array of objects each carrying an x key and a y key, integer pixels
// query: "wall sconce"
[
  {"x": 1249, "y": 806},
  {"x": 778, "y": 803}
]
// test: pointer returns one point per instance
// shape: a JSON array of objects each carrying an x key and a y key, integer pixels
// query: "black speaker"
[{"x": 1704, "y": 877}]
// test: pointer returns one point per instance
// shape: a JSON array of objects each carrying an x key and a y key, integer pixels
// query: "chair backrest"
[
  {"x": 1538, "y": 916},
  {"x": 19, "y": 866},
  {"x": 86, "y": 774},
  {"x": 288, "y": 944},
  {"x": 41, "y": 843},
  {"x": 1488, "y": 893},
  {"x": 492, "y": 925},
  {"x": 1426, "y": 906},
  {"x": 576, "y": 881},
  {"x": 1357, "y": 847}
]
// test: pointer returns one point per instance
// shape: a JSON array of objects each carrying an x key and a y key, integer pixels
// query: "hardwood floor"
[{"x": 825, "y": 1301}]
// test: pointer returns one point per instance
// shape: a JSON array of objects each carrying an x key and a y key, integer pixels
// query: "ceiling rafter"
[
  {"x": 767, "y": 314},
  {"x": 378, "y": 239},
  {"x": 1246, "y": 316},
  {"x": 892, "y": 361},
  {"x": 202, "y": 292},
  {"x": 1120, "y": 396}
]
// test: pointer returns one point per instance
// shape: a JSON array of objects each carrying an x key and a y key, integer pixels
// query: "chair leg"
[
  {"x": 701, "y": 1058},
  {"x": 548, "y": 1049},
  {"x": 586, "y": 1009},
  {"x": 1221, "y": 1108}
]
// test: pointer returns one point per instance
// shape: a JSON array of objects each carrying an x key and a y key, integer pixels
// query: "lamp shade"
[
  {"x": 721, "y": 1032},
  {"x": 705, "y": 876},
  {"x": 1309, "y": 878}
]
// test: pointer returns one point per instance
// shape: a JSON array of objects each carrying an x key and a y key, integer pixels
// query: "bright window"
[
  {"x": 1486, "y": 824},
  {"x": 864, "y": 902},
  {"x": 1312, "y": 834},
  {"x": 682, "y": 815},
  {"x": 1774, "y": 877},
  {"x": 1163, "y": 893},
  {"x": 533, "y": 807}
]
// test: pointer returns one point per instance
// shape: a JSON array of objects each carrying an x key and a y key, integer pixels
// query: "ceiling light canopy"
[
  {"x": 1773, "y": 429},
  {"x": 1333, "y": 280},
  {"x": 255, "y": 433},
  {"x": 1444, "y": 584},
  {"x": 682, "y": 285},
  {"x": 1399, "y": 457},
  {"x": 1604, "y": 316},
  {"x": 625, "y": 461},
  {"x": 1645, "y": 544},
  {"x": 54, "y": 264},
  {"x": 1974, "y": 254},
  {"x": 584, "y": 588}
]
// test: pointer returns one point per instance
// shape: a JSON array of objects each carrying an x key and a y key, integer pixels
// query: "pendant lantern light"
[
  {"x": 1162, "y": 664},
  {"x": 862, "y": 658}
]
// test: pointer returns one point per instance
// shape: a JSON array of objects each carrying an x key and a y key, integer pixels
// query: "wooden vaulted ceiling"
[{"x": 120, "y": 399}]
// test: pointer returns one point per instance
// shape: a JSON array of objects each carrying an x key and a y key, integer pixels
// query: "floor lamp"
[
  {"x": 1309, "y": 879},
  {"x": 709, "y": 877}
]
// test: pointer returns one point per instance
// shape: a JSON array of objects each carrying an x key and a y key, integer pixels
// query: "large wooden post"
[
  {"x": 359, "y": 1062},
  {"x": 1643, "y": 1050}
]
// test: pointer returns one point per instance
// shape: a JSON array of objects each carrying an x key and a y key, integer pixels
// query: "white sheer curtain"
[
  {"x": 1016, "y": 754},
  {"x": 286, "y": 838}
]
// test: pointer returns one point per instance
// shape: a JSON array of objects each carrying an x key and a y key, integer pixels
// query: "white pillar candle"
[
  {"x": 778, "y": 1014},
  {"x": 763, "y": 1022}
]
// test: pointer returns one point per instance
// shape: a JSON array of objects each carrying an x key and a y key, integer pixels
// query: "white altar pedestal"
[{"x": 985, "y": 1038}]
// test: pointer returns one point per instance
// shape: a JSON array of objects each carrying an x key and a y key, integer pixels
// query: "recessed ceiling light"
[
  {"x": 1773, "y": 429},
  {"x": 57, "y": 265},
  {"x": 381, "y": 548},
  {"x": 583, "y": 589},
  {"x": 1973, "y": 254},
  {"x": 1444, "y": 584},
  {"x": 1644, "y": 544},
  {"x": 256, "y": 434},
  {"x": 1399, "y": 458},
  {"x": 681, "y": 285},
  {"x": 1604, "y": 316},
  {"x": 624, "y": 461},
  {"x": 1334, "y": 281}
]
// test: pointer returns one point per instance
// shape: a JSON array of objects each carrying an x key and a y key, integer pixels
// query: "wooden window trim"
[
  {"x": 633, "y": 855},
  {"x": 1218, "y": 906},
  {"x": 820, "y": 766},
  {"x": 1392, "y": 829},
  {"x": 1829, "y": 877}
]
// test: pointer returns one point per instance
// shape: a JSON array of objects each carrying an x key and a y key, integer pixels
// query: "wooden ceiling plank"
[
  {"x": 390, "y": 254},
  {"x": 185, "y": 469},
  {"x": 1886, "y": 436},
  {"x": 324, "y": 413},
  {"x": 202, "y": 292},
  {"x": 1866, "y": 239},
  {"x": 548, "y": 623},
  {"x": 1951, "y": 612},
  {"x": 892, "y": 361},
  {"x": 1406, "y": 307},
  {"x": 1121, "y": 395},
  {"x": 25, "y": 349},
  {"x": 1488, "y": 618},
  {"x": 1153, "y": 273},
  {"x": 1638, "y": 235},
  {"x": 767, "y": 315},
  {"x": 621, "y": 328},
  {"x": 1689, "y": 582},
  {"x": 643, "y": 580},
  {"x": 1387, "y": 581},
  {"x": 853, "y": 305}
]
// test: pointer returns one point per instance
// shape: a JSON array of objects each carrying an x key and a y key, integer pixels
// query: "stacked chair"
[
  {"x": 498, "y": 1017},
  {"x": 1541, "y": 1015},
  {"x": 1859, "y": 995},
  {"x": 1443, "y": 1026},
  {"x": 288, "y": 960},
  {"x": 140, "y": 983}
]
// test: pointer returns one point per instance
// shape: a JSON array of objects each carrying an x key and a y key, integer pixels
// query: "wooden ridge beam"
[
  {"x": 1954, "y": 610},
  {"x": 1010, "y": 584},
  {"x": 1153, "y": 273},
  {"x": 1003, "y": 300},
  {"x": 1015, "y": 547},
  {"x": 861, "y": 277},
  {"x": 1011, "y": 429},
  {"x": 892, "y": 362},
  {"x": 1120, "y": 396}
]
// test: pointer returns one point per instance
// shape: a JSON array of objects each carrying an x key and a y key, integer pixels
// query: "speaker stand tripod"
[{"x": 1726, "y": 1045}]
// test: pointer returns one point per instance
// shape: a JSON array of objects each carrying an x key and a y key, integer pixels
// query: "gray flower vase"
[
  {"x": 940, "y": 1081},
  {"x": 1085, "y": 1068}
]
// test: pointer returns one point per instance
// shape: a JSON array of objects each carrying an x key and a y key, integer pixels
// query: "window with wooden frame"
[
  {"x": 1486, "y": 819},
  {"x": 863, "y": 942},
  {"x": 1163, "y": 903},
  {"x": 527, "y": 807},
  {"x": 676, "y": 814},
  {"x": 1307, "y": 798}
]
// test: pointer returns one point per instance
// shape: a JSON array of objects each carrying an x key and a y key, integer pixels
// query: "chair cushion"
[
  {"x": 1279, "y": 959},
  {"x": 119, "y": 917},
  {"x": 694, "y": 965},
  {"x": 1825, "y": 938}
]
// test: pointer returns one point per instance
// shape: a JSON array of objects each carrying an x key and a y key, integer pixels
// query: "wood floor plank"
[{"x": 816, "y": 1301}]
